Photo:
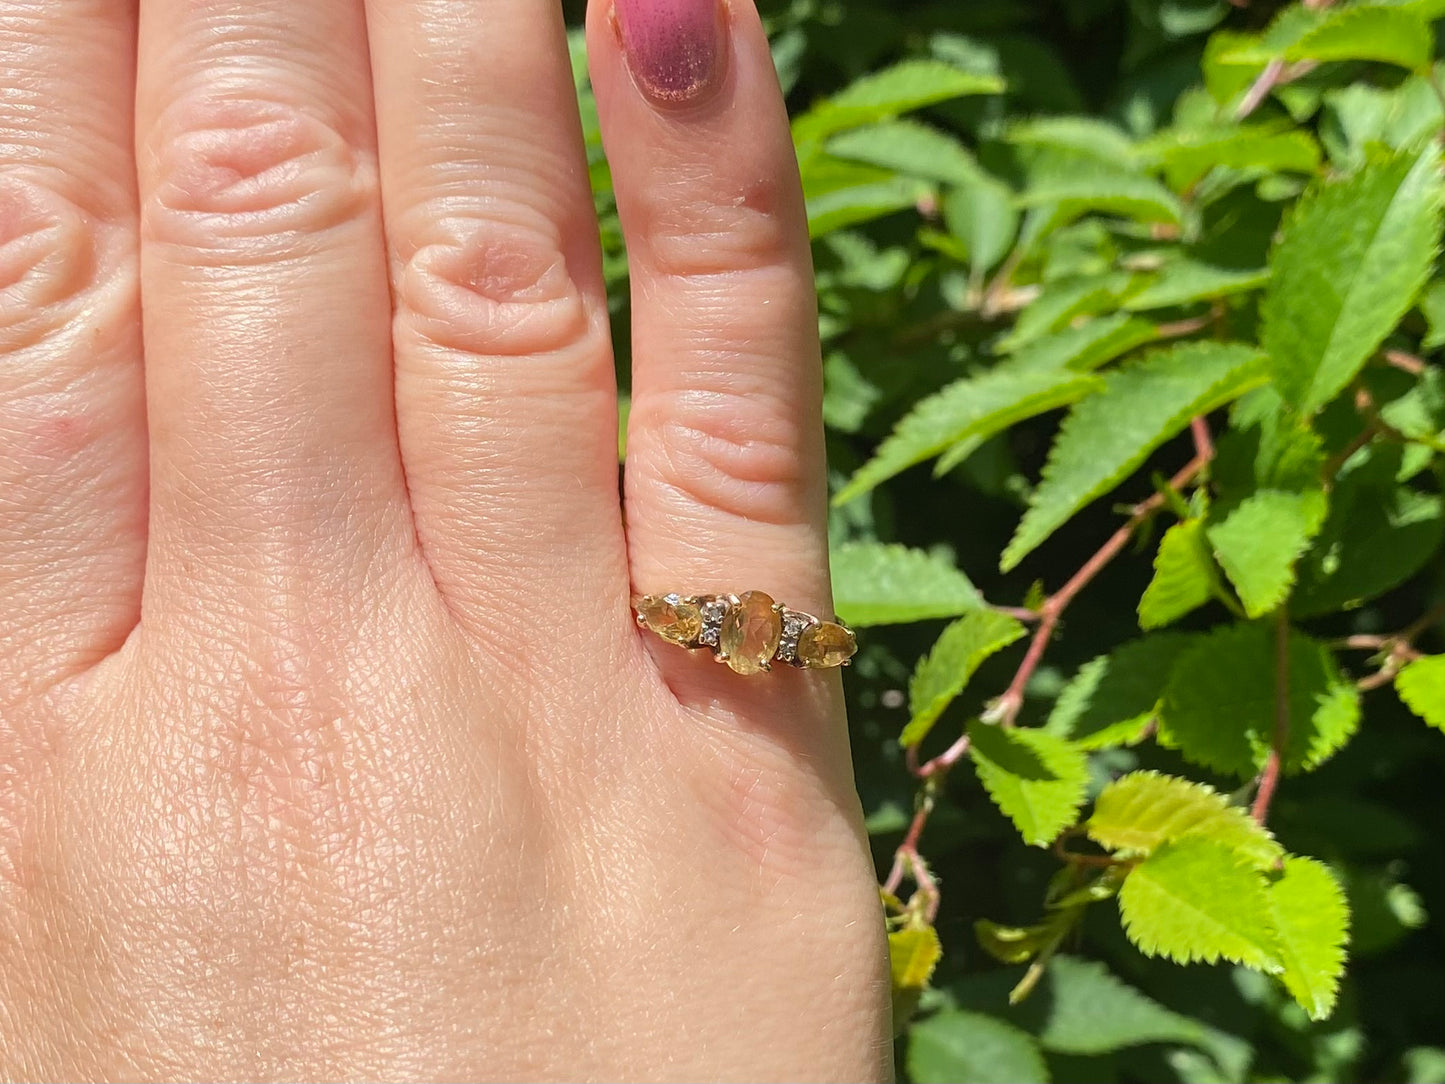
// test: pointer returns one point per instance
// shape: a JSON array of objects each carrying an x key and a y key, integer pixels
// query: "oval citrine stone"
[
  {"x": 674, "y": 619},
  {"x": 750, "y": 633},
  {"x": 826, "y": 644}
]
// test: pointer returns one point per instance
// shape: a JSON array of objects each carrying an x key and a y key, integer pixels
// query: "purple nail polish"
[{"x": 672, "y": 46}]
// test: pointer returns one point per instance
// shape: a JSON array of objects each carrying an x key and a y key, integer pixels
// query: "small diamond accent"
[
  {"x": 713, "y": 613},
  {"x": 793, "y": 626}
]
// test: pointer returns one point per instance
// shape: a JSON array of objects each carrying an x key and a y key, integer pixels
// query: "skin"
[{"x": 328, "y": 746}]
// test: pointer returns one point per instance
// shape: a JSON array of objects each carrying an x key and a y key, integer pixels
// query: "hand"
[{"x": 328, "y": 745}]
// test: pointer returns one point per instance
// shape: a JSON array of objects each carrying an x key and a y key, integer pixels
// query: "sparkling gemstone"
[
  {"x": 750, "y": 633},
  {"x": 713, "y": 612},
  {"x": 826, "y": 644},
  {"x": 793, "y": 626},
  {"x": 675, "y": 619}
]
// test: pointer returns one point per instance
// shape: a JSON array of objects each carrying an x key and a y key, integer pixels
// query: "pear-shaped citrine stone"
[
  {"x": 675, "y": 619},
  {"x": 750, "y": 633},
  {"x": 826, "y": 644}
]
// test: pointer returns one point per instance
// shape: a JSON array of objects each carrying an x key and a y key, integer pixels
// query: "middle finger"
[{"x": 506, "y": 405}]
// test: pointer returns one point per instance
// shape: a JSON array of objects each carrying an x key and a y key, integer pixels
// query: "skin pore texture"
[{"x": 329, "y": 748}]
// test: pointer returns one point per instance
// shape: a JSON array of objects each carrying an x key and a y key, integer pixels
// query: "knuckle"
[
  {"x": 239, "y": 175},
  {"x": 486, "y": 286},
  {"x": 721, "y": 233},
  {"x": 738, "y": 453},
  {"x": 65, "y": 272}
]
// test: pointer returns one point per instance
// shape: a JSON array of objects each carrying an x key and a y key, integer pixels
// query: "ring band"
[{"x": 749, "y": 632}]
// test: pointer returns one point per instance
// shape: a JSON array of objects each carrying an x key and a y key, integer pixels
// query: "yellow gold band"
[{"x": 749, "y": 632}]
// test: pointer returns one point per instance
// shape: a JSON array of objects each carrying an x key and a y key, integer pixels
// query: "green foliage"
[
  {"x": 1184, "y": 576},
  {"x": 1421, "y": 685},
  {"x": 1155, "y": 290},
  {"x": 1350, "y": 263},
  {"x": 1258, "y": 543},
  {"x": 944, "y": 672},
  {"x": 1223, "y": 709},
  {"x": 1036, "y": 778},
  {"x": 1197, "y": 899},
  {"x": 877, "y": 584},
  {"x": 1107, "y": 436},
  {"x": 1142, "y": 810},
  {"x": 1312, "y": 921},
  {"x": 956, "y": 1045}
]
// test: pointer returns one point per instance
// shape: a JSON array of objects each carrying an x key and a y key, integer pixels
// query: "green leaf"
[
  {"x": 1142, "y": 811},
  {"x": 1080, "y": 134},
  {"x": 884, "y": 94},
  {"x": 1183, "y": 282},
  {"x": 1195, "y": 899},
  {"x": 1061, "y": 303},
  {"x": 1378, "y": 534},
  {"x": 1014, "y": 944},
  {"x": 1109, "y": 434},
  {"x": 878, "y": 584},
  {"x": 1219, "y": 705},
  {"x": 1421, "y": 686},
  {"x": 1084, "y": 347},
  {"x": 968, "y": 410},
  {"x": 913, "y": 953},
  {"x": 908, "y": 147},
  {"x": 1347, "y": 267},
  {"x": 1309, "y": 913},
  {"x": 1385, "y": 34},
  {"x": 1259, "y": 542},
  {"x": 980, "y": 212},
  {"x": 1078, "y": 184},
  {"x": 1080, "y": 1008},
  {"x": 1037, "y": 779},
  {"x": 944, "y": 672},
  {"x": 1184, "y": 577},
  {"x": 955, "y": 1046},
  {"x": 843, "y": 207},
  {"x": 1187, "y": 154},
  {"x": 1113, "y": 698}
]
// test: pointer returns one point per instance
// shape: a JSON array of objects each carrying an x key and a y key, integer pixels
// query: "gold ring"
[{"x": 749, "y": 632}]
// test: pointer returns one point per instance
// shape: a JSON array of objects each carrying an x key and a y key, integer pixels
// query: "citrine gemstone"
[
  {"x": 674, "y": 619},
  {"x": 826, "y": 644},
  {"x": 750, "y": 633}
]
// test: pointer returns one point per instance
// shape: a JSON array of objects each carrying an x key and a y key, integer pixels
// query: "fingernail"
[{"x": 672, "y": 47}]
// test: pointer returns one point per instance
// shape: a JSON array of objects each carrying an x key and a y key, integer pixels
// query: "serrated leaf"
[
  {"x": 955, "y": 1046},
  {"x": 1184, "y": 576},
  {"x": 943, "y": 673},
  {"x": 1078, "y": 183},
  {"x": 980, "y": 213},
  {"x": 1187, "y": 154},
  {"x": 909, "y": 147},
  {"x": 1183, "y": 282},
  {"x": 1194, "y": 899},
  {"x": 1079, "y": 134},
  {"x": 886, "y": 584},
  {"x": 1312, "y": 921},
  {"x": 1348, "y": 265},
  {"x": 1388, "y": 35},
  {"x": 913, "y": 953},
  {"x": 1061, "y": 303},
  {"x": 884, "y": 94},
  {"x": 971, "y": 409},
  {"x": 1109, "y": 434},
  {"x": 1037, "y": 779},
  {"x": 1084, "y": 347},
  {"x": 843, "y": 207},
  {"x": 1113, "y": 698},
  {"x": 1142, "y": 811},
  {"x": 1259, "y": 542},
  {"x": 1421, "y": 687},
  {"x": 1219, "y": 704},
  {"x": 1378, "y": 534},
  {"x": 1080, "y": 1008}
]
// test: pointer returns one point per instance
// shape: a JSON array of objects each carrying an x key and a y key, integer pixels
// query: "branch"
[
  {"x": 1269, "y": 778},
  {"x": 1005, "y": 709}
]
